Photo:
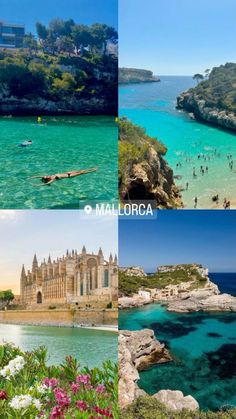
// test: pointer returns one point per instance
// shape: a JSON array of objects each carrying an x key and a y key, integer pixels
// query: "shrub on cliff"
[
  {"x": 31, "y": 389},
  {"x": 64, "y": 65},
  {"x": 219, "y": 90},
  {"x": 150, "y": 408}
]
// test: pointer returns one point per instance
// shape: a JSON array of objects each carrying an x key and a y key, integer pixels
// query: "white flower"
[
  {"x": 41, "y": 388},
  {"x": 14, "y": 366},
  {"x": 37, "y": 404},
  {"x": 24, "y": 401}
]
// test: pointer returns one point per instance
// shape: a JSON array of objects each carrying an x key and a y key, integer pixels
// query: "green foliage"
[
  {"x": 147, "y": 407},
  {"x": 55, "y": 391},
  {"x": 66, "y": 59},
  {"x": 198, "y": 77},
  {"x": 219, "y": 90},
  {"x": 134, "y": 144},
  {"x": 129, "y": 285},
  {"x": 6, "y": 297}
]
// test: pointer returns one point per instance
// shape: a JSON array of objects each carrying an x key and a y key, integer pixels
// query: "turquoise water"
[
  {"x": 59, "y": 144},
  {"x": 152, "y": 106},
  {"x": 203, "y": 346},
  {"x": 90, "y": 347}
]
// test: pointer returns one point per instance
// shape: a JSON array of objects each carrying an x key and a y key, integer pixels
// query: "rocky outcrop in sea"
[
  {"x": 135, "y": 75},
  {"x": 138, "y": 351},
  {"x": 199, "y": 302},
  {"x": 192, "y": 103}
]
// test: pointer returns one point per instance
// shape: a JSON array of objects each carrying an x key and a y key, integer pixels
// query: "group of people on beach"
[{"x": 204, "y": 169}]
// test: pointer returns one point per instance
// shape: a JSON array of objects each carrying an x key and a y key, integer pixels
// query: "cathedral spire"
[
  {"x": 115, "y": 259},
  {"x": 110, "y": 258},
  {"x": 23, "y": 274},
  {"x": 35, "y": 263},
  {"x": 100, "y": 252},
  {"x": 49, "y": 259},
  {"x": 84, "y": 250}
]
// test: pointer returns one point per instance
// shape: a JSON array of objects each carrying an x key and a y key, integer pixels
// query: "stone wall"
[{"x": 60, "y": 317}]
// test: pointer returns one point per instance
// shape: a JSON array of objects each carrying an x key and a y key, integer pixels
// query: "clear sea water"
[
  {"x": 203, "y": 346},
  {"x": 59, "y": 144},
  {"x": 152, "y": 106},
  {"x": 63, "y": 341}
]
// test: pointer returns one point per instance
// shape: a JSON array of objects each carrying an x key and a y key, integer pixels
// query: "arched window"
[
  {"x": 39, "y": 298},
  {"x": 106, "y": 280}
]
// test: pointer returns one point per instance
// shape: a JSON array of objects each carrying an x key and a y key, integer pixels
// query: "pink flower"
[
  {"x": 74, "y": 388},
  {"x": 56, "y": 412},
  {"x": 83, "y": 379},
  {"x": 81, "y": 405},
  {"x": 103, "y": 412},
  {"x": 3, "y": 395},
  {"x": 100, "y": 388},
  {"x": 50, "y": 382},
  {"x": 61, "y": 397}
]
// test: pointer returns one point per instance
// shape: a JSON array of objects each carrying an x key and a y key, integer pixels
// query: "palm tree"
[{"x": 198, "y": 77}]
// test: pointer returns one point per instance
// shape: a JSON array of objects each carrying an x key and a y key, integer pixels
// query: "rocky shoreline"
[
  {"x": 135, "y": 75},
  {"x": 71, "y": 106},
  {"x": 139, "y": 350},
  {"x": 190, "y": 102},
  {"x": 182, "y": 298}
]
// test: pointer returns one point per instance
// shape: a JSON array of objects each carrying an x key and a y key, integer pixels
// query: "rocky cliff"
[
  {"x": 134, "y": 75},
  {"x": 144, "y": 174},
  {"x": 200, "y": 302},
  {"x": 137, "y": 351},
  {"x": 213, "y": 100}
]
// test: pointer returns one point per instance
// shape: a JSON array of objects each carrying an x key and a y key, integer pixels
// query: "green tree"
[
  {"x": 207, "y": 72},
  {"x": 198, "y": 77},
  {"x": 6, "y": 297},
  {"x": 30, "y": 43},
  {"x": 82, "y": 37},
  {"x": 42, "y": 31}
]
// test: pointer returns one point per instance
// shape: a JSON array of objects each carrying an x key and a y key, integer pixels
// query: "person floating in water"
[
  {"x": 25, "y": 143},
  {"x": 48, "y": 179}
]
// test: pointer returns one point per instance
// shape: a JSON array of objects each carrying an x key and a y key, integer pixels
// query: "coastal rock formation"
[
  {"x": 221, "y": 302},
  {"x": 175, "y": 400},
  {"x": 212, "y": 100},
  {"x": 134, "y": 75},
  {"x": 68, "y": 106},
  {"x": 137, "y": 351},
  {"x": 144, "y": 175},
  {"x": 133, "y": 271},
  {"x": 131, "y": 302}
]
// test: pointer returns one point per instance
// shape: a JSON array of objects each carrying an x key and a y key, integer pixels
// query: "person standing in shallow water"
[{"x": 195, "y": 202}]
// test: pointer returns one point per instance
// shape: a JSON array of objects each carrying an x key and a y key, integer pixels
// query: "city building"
[{"x": 11, "y": 35}]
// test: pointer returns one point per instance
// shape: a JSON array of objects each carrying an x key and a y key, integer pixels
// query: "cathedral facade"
[{"x": 72, "y": 278}]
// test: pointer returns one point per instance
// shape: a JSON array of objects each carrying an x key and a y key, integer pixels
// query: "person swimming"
[
  {"x": 48, "y": 179},
  {"x": 25, "y": 143}
]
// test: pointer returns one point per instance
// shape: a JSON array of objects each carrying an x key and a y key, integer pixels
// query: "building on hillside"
[
  {"x": 11, "y": 35},
  {"x": 73, "y": 278}
]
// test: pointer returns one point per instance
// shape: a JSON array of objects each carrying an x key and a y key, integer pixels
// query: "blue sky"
[
  {"x": 173, "y": 37},
  {"x": 206, "y": 237},
  {"x": 82, "y": 11},
  {"x": 22, "y": 233}
]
